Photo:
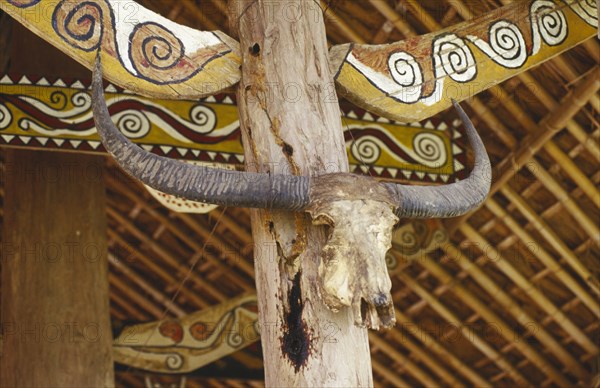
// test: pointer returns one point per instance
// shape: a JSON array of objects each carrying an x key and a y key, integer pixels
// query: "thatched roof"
[{"x": 514, "y": 291}]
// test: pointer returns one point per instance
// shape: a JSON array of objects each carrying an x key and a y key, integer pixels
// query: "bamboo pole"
[
  {"x": 134, "y": 295},
  {"x": 467, "y": 332},
  {"x": 392, "y": 16},
  {"x": 429, "y": 342},
  {"x": 536, "y": 295},
  {"x": 158, "y": 296},
  {"x": 508, "y": 303},
  {"x": 572, "y": 126},
  {"x": 587, "y": 224},
  {"x": 205, "y": 234},
  {"x": 545, "y": 257},
  {"x": 232, "y": 222},
  {"x": 166, "y": 256},
  {"x": 569, "y": 166},
  {"x": 164, "y": 274},
  {"x": 132, "y": 312},
  {"x": 409, "y": 366},
  {"x": 418, "y": 351},
  {"x": 551, "y": 237},
  {"x": 549, "y": 126},
  {"x": 340, "y": 24},
  {"x": 393, "y": 378}
]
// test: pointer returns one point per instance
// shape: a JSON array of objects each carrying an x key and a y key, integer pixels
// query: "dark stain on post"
[
  {"x": 295, "y": 343},
  {"x": 288, "y": 149}
]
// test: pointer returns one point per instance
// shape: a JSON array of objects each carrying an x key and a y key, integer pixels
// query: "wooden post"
[
  {"x": 55, "y": 307},
  {"x": 290, "y": 120}
]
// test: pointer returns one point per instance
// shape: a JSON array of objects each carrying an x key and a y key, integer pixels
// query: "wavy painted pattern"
[{"x": 57, "y": 114}]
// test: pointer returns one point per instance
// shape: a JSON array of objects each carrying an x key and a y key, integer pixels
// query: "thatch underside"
[{"x": 526, "y": 262}]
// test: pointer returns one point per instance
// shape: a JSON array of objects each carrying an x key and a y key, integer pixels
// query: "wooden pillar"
[
  {"x": 55, "y": 307},
  {"x": 290, "y": 120}
]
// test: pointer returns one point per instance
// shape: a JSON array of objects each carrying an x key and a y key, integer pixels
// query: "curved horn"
[
  {"x": 453, "y": 199},
  {"x": 212, "y": 185}
]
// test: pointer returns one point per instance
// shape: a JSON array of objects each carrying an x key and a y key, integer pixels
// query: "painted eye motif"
[{"x": 172, "y": 330}]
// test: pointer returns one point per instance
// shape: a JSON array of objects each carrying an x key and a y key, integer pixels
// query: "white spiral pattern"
[
  {"x": 391, "y": 262},
  {"x": 203, "y": 118},
  {"x": 587, "y": 11},
  {"x": 430, "y": 149},
  {"x": 548, "y": 23},
  {"x": 506, "y": 44},
  {"x": 5, "y": 117},
  {"x": 366, "y": 150},
  {"x": 234, "y": 339},
  {"x": 132, "y": 123},
  {"x": 82, "y": 100},
  {"x": 405, "y": 71},
  {"x": 454, "y": 58},
  {"x": 82, "y": 103},
  {"x": 174, "y": 361}
]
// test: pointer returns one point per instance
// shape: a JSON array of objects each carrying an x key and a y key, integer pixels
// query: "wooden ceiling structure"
[{"x": 511, "y": 297}]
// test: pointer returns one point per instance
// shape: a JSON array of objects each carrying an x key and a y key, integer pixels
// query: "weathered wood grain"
[
  {"x": 289, "y": 128},
  {"x": 55, "y": 309}
]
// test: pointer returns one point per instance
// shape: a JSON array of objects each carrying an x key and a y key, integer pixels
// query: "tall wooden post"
[
  {"x": 54, "y": 313},
  {"x": 290, "y": 119}
]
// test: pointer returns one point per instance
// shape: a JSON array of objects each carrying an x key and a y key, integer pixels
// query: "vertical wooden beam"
[
  {"x": 55, "y": 306},
  {"x": 289, "y": 116}
]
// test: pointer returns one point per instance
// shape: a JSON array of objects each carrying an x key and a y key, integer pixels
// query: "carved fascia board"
[
  {"x": 36, "y": 112},
  {"x": 142, "y": 50},
  {"x": 408, "y": 81},
  {"x": 418, "y": 77},
  {"x": 185, "y": 344}
]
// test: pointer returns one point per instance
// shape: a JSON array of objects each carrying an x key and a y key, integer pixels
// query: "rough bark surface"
[
  {"x": 290, "y": 122},
  {"x": 55, "y": 311}
]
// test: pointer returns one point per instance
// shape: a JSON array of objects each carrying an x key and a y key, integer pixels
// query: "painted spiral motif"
[
  {"x": 158, "y": 51},
  {"x": 506, "y": 44},
  {"x": 587, "y": 11},
  {"x": 548, "y": 23},
  {"x": 132, "y": 123},
  {"x": 153, "y": 50},
  {"x": 429, "y": 149},
  {"x": 234, "y": 339},
  {"x": 5, "y": 117},
  {"x": 406, "y": 72},
  {"x": 82, "y": 100},
  {"x": 80, "y": 24},
  {"x": 366, "y": 150},
  {"x": 391, "y": 262},
  {"x": 203, "y": 119},
  {"x": 454, "y": 58},
  {"x": 59, "y": 99},
  {"x": 174, "y": 361},
  {"x": 408, "y": 242}
]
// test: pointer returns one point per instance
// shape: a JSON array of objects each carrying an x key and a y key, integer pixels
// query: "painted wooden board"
[
  {"x": 141, "y": 50},
  {"x": 416, "y": 78},
  {"x": 188, "y": 343},
  {"x": 36, "y": 112}
]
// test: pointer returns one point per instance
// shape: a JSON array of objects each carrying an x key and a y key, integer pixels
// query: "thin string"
[{"x": 182, "y": 283}]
